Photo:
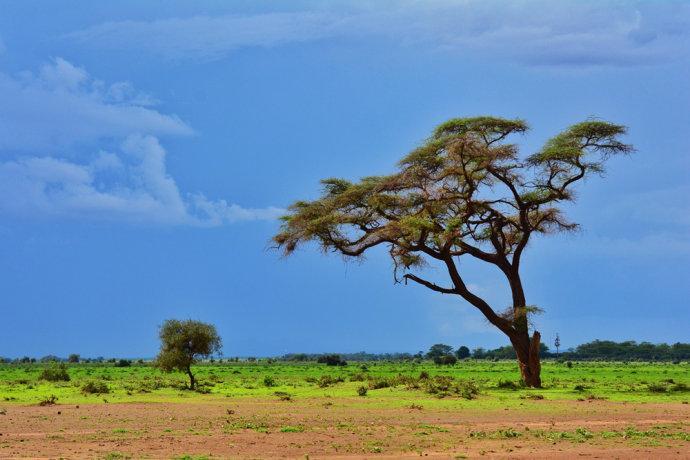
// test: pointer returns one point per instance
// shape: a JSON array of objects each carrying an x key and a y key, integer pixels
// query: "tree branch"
[{"x": 429, "y": 284}]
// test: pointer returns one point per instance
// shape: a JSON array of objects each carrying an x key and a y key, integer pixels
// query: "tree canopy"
[
  {"x": 183, "y": 343},
  {"x": 464, "y": 192}
]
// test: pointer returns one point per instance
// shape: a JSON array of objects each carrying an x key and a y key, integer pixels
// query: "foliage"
[
  {"x": 462, "y": 352},
  {"x": 331, "y": 360},
  {"x": 73, "y": 358},
  {"x": 183, "y": 343},
  {"x": 438, "y": 350},
  {"x": 645, "y": 351},
  {"x": 448, "y": 360},
  {"x": 95, "y": 387},
  {"x": 55, "y": 373},
  {"x": 464, "y": 193},
  {"x": 48, "y": 401}
]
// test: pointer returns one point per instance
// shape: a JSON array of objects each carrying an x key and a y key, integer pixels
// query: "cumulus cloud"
[
  {"x": 62, "y": 105},
  {"x": 62, "y": 108},
  {"x": 130, "y": 185},
  {"x": 531, "y": 33}
]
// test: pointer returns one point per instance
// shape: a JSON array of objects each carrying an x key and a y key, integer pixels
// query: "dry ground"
[{"x": 317, "y": 428}]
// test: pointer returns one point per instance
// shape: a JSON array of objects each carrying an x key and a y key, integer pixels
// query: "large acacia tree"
[{"x": 464, "y": 193}]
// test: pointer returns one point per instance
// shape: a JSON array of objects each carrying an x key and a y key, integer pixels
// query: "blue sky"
[{"x": 146, "y": 149}]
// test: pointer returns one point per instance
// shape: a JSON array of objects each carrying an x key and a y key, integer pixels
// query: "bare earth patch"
[{"x": 253, "y": 428}]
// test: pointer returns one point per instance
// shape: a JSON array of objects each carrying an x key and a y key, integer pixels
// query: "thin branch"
[{"x": 429, "y": 284}]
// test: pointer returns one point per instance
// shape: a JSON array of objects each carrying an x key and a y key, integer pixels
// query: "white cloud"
[
  {"x": 62, "y": 108},
  {"x": 131, "y": 185},
  {"x": 532, "y": 33},
  {"x": 63, "y": 105}
]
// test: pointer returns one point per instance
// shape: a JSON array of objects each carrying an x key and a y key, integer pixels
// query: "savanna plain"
[{"x": 267, "y": 409}]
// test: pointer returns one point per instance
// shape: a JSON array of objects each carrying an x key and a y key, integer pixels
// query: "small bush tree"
[
  {"x": 462, "y": 352},
  {"x": 55, "y": 373},
  {"x": 439, "y": 349},
  {"x": 123, "y": 363},
  {"x": 331, "y": 360},
  {"x": 445, "y": 359},
  {"x": 73, "y": 358},
  {"x": 185, "y": 342},
  {"x": 95, "y": 387}
]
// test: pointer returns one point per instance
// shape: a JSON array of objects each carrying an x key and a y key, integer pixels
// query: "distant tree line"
[{"x": 445, "y": 354}]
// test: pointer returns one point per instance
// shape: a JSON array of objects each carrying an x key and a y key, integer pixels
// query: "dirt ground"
[{"x": 317, "y": 428}]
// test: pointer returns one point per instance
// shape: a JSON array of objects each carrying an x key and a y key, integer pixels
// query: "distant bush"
[
  {"x": 55, "y": 373},
  {"x": 331, "y": 360},
  {"x": 95, "y": 387},
  {"x": 358, "y": 377},
  {"x": 507, "y": 385},
  {"x": 269, "y": 381},
  {"x": 123, "y": 363},
  {"x": 681, "y": 387},
  {"x": 284, "y": 396},
  {"x": 423, "y": 375},
  {"x": 447, "y": 360},
  {"x": 327, "y": 380},
  {"x": 462, "y": 352},
  {"x": 377, "y": 384},
  {"x": 49, "y": 401},
  {"x": 442, "y": 386},
  {"x": 362, "y": 391},
  {"x": 657, "y": 387},
  {"x": 73, "y": 358}
]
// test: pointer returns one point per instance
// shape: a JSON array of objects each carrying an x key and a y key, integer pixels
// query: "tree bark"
[
  {"x": 527, "y": 351},
  {"x": 192, "y": 381}
]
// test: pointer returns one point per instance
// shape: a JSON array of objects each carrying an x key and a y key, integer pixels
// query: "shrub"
[
  {"x": 680, "y": 387},
  {"x": 507, "y": 385},
  {"x": 269, "y": 381},
  {"x": 327, "y": 380},
  {"x": 358, "y": 377},
  {"x": 657, "y": 388},
  {"x": 423, "y": 375},
  {"x": 49, "y": 401},
  {"x": 55, "y": 373},
  {"x": 331, "y": 360},
  {"x": 377, "y": 384},
  {"x": 123, "y": 363},
  {"x": 362, "y": 391},
  {"x": 569, "y": 364},
  {"x": 447, "y": 360},
  {"x": 462, "y": 352},
  {"x": 283, "y": 396},
  {"x": 444, "y": 386},
  {"x": 96, "y": 387}
]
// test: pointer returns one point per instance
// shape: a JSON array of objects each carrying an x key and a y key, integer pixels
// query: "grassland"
[
  {"x": 291, "y": 409},
  {"x": 498, "y": 382}
]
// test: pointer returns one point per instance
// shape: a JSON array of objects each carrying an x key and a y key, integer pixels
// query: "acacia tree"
[
  {"x": 183, "y": 343},
  {"x": 465, "y": 192}
]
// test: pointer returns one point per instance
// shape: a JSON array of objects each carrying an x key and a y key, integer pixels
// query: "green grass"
[{"x": 631, "y": 382}]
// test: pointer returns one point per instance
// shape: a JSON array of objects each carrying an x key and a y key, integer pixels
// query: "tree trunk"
[
  {"x": 527, "y": 351},
  {"x": 192, "y": 381}
]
